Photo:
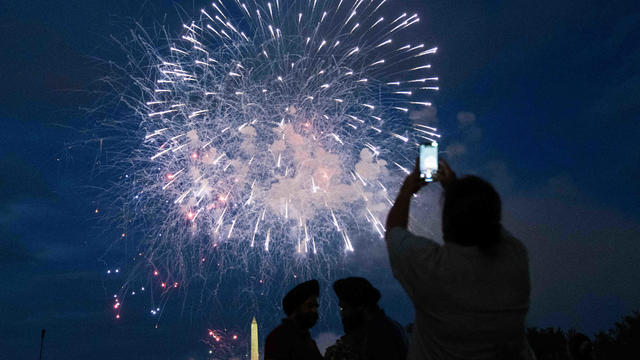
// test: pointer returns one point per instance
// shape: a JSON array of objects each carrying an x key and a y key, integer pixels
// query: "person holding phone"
[{"x": 471, "y": 294}]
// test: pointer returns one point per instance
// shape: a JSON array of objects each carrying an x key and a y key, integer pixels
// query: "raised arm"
[{"x": 399, "y": 213}]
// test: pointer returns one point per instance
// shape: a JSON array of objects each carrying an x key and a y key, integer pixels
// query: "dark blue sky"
[{"x": 541, "y": 98}]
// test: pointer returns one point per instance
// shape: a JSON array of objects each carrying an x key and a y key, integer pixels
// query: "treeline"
[{"x": 622, "y": 342}]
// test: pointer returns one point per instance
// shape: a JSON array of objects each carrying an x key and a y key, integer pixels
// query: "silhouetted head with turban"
[
  {"x": 301, "y": 304},
  {"x": 357, "y": 297}
]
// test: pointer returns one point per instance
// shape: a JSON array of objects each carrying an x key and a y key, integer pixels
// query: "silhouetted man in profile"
[
  {"x": 471, "y": 294},
  {"x": 291, "y": 339},
  {"x": 369, "y": 333}
]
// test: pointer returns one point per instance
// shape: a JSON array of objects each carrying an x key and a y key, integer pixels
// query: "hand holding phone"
[{"x": 445, "y": 175}]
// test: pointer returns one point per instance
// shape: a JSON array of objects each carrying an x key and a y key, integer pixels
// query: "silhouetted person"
[
  {"x": 471, "y": 294},
  {"x": 369, "y": 333},
  {"x": 291, "y": 339}
]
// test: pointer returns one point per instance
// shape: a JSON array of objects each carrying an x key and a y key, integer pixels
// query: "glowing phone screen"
[{"x": 428, "y": 160}]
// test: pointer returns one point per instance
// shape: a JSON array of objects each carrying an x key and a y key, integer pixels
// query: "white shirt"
[{"x": 469, "y": 304}]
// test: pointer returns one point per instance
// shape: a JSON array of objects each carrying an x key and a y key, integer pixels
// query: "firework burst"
[{"x": 272, "y": 130}]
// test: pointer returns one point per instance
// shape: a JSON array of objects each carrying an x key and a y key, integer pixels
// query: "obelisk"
[{"x": 254, "y": 340}]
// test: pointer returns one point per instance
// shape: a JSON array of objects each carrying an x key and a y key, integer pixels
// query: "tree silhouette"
[
  {"x": 622, "y": 342},
  {"x": 548, "y": 343}
]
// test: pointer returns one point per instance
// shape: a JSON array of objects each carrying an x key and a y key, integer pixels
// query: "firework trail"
[{"x": 272, "y": 130}]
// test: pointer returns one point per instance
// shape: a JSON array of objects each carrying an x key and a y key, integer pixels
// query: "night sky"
[{"x": 541, "y": 98}]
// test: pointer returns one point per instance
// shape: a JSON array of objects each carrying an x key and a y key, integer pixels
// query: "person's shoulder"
[
  {"x": 277, "y": 345},
  {"x": 511, "y": 240},
  {"x": 394, "y": 326},
  {"x": 385, "y": 326},
  {"x": 396, "y": 232},
  {"x": 400, "y": 235},
  {"x": 513, "y": 246},
  {"x": 386, "y": 339},
  {"x": 281, "y": 331}
]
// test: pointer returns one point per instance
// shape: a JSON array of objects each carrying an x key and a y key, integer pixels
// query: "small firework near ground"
[
  {"x": 226, "y": 344},
  {"x": 266, "y": 137}
]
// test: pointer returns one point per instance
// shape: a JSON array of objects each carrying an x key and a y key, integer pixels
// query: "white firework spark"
[{"x": 273, "y": 128}]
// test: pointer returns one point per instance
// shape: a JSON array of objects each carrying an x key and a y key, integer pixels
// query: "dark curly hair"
[{"x": 472, "y": 212}]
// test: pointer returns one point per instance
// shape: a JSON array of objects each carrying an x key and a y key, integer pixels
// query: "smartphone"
[{"x": 428, "y": 161}]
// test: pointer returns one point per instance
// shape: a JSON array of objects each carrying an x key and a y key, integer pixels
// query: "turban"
[{"x": 356, "y": 291}]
